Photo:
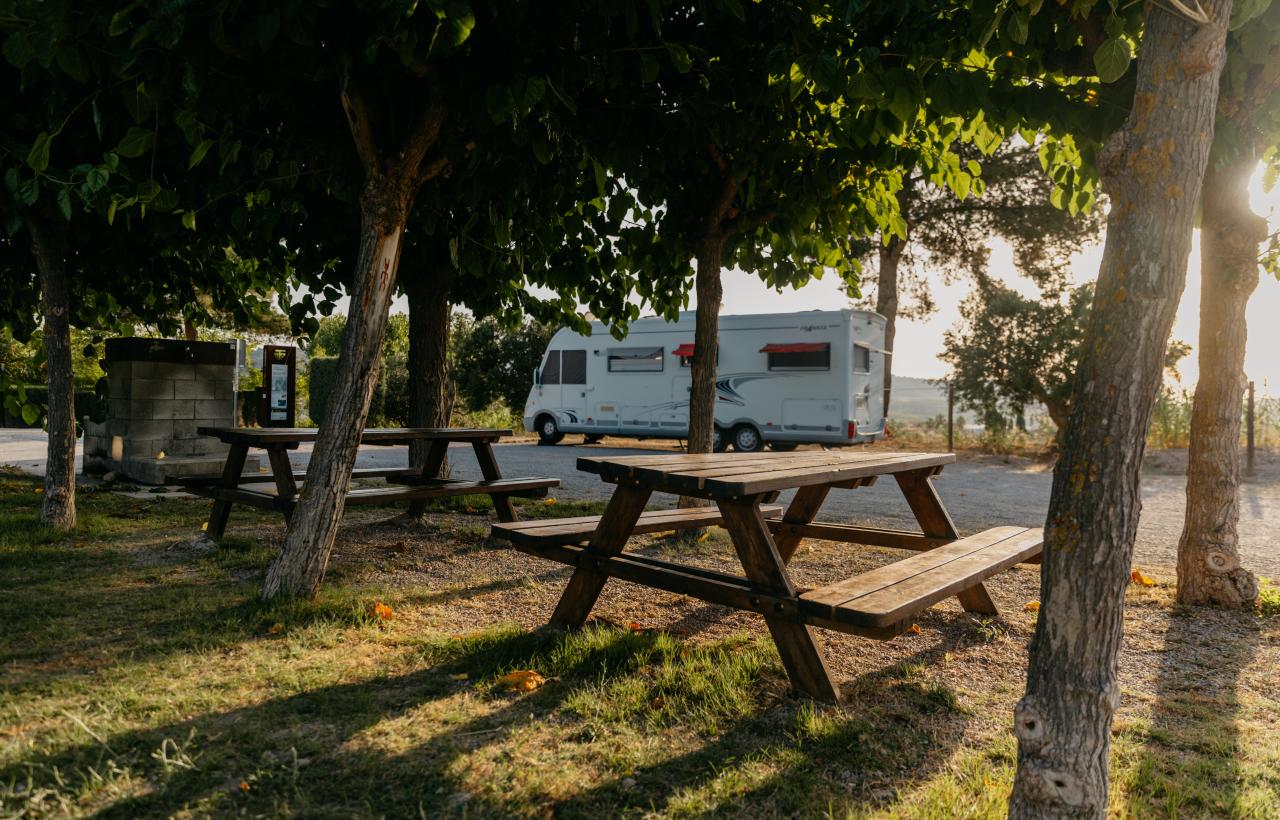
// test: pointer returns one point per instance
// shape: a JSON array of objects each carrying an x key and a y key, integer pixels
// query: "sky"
[{"x": 918, "y": 342}]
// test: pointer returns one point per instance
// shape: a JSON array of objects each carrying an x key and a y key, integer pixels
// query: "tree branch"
[
  {"x": 353, "y": 106},
  {"x": 425, "y": 133}
]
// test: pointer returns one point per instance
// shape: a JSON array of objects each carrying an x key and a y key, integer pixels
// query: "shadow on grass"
[
  {"x": 1190, "y": 751},
  {"x": 336, "y": 750}
]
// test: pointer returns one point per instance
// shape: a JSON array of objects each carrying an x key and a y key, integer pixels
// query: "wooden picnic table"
[
  {"x": 404, "y": 483},
  {"x": 877, "y": 604}
]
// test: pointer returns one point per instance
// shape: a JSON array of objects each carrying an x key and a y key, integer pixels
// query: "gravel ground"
[{"x": 980, "y": 491}]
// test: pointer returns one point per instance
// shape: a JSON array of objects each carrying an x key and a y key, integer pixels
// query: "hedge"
[{"x": 390, "y": 405}]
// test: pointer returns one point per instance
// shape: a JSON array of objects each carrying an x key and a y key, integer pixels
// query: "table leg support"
[
  {"x": 917, "y": 487},
  {"x": 282, "y": 471},
  {"x": 489, "y": 469},
  {"x": 766, "y": 570},
  {"x": 231, "y": 469},
  {"x": 611, "y": 536},
  {"x": 801, "y": 510}
]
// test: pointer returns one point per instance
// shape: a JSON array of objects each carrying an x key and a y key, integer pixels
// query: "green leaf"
[
  {"x": 1112, "y": 59},
  {"x": 1242, "y": 11},
  {"x": 29, "y": 192},
  {"x": 64, "y": 203},
  {"x": 600, "y": 177},
  {"x": 30, "y": 413},
  {"x": 1019, "y": 27},
  {"x": 164, "y": 201},
  {"x": 96, "y": 179},
  {"x": 38, "y": 156},
  {"x": 135, "y": 143},
  {"x": 111, "y": 211},
  {"x": 679, "y": 57},
  {"x": 961, "y": 184},
  {"x": 903, "y": 105},
  {"x": 189, "y": 220},
  {"x": 198, "y": 154},
  {"x": 17, "y": 49},
  {"x": 120, "y": 21}
]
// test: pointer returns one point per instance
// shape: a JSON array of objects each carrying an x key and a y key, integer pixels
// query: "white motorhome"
[{"x": 782, "y": 379}]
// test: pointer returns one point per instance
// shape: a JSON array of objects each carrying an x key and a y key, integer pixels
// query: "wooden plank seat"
[
  {"x": 887, "y": 597},
  {"x": 556, "y": 531},
  {"x": 298, "y": 475},
  {"x": 425, "y": 489},
  {"x": 877, "y": 604}
]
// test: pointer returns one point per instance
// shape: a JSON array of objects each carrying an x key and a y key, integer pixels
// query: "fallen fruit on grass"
[
  {"x": 275, "y": 629},
  {"x": 381, "y": 611},
  {"x": 550, "y": 501},
  {"x": 244, "y": 786},
  {"x": 1031, "y": 606},
  {"x": 522, "y": 680},
  {"x": 1141, "y": 580}
]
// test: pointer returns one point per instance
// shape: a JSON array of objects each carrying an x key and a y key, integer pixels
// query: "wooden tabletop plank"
[
  {"x": 263, "y": 436},
  {"x": 767, "y": 482},
  {"x": 653, "y": 467},
  {"x": 691, "y": 476},
  {"x": 738, "y": 474}
]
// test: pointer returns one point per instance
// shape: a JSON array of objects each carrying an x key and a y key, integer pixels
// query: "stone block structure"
[{"x": 159, "y": 392}]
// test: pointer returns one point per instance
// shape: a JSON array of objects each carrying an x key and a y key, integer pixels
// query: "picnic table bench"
[
  {"x": 404, "y": 483},
  {"x": 876, "y": 604}
]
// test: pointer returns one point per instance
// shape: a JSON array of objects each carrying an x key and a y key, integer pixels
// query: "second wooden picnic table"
[
  {"x": 405, "y": 483},
  {"x": 877, "y": 604}
]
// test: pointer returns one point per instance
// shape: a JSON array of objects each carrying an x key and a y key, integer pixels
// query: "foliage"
[
  {"x": 492, "y": 362},
  {"x": 949, "y": 236},
  {"x": 1011, "y": 351},
  {"x": 326, "y": 339}
]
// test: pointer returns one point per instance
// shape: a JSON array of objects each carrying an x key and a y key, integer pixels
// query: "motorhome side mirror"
[{"x": 537, "y": 377}]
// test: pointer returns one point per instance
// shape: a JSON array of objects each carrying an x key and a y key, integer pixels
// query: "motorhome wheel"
[
  {"x": 746, "y": 439},
  {"x": 549, "y": 430}
]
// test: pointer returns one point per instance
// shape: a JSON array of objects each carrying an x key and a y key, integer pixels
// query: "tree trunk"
[
  {"x": 887, "y": 306},
  {"x": 890, "y": 256},
  {"x": 1152, "y": 169},
  {"x": 702, "y": 391},
  {"x": 301, "y": 564},
  {"x": 189, "y": 330},
  {"x": 1209, "y": 570},
  {"x": 430, "y": 388},
  {"x": 706, "y": 338},
  {"x": 49, "y": 241}
]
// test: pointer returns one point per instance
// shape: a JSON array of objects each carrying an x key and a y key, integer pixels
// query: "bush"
[
  {"x": 390, "y": 404},
  {"x": 322, "y": 372}
]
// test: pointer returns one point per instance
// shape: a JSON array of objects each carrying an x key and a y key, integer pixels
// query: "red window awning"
[
  {"x": 796, "y": 347},
  {"x": 683, "y": 350}
]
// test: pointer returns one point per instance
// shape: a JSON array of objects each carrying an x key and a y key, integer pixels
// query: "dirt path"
[{"x": 980, "y": 491}]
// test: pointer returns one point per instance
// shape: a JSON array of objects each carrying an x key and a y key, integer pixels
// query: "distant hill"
[
  {"x": 916, "y": 399},
  {"x": 920, "y": 400}
]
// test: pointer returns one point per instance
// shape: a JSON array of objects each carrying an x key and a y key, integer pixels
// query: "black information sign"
[{"x": 279, "y": 377}]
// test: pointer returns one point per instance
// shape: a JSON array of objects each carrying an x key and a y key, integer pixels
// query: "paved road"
[{"x": 979, "y": 494}]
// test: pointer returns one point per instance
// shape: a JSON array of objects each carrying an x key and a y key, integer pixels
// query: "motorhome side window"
[
  {"x": 861, "y": 358},
  {"x": 635, "y": 360},
  {"x": 573, "y": 367},
  {"x": 550, "y": 368},
  {"x": 799, "y": 356},
  {"x": 685, "y": 352}
]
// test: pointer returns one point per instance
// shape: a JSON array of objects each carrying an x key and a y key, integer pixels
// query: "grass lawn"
[{"x": 140, "y": 679}]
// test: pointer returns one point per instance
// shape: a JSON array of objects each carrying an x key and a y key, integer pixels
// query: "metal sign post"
[{"x": 279, "y": 379}]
